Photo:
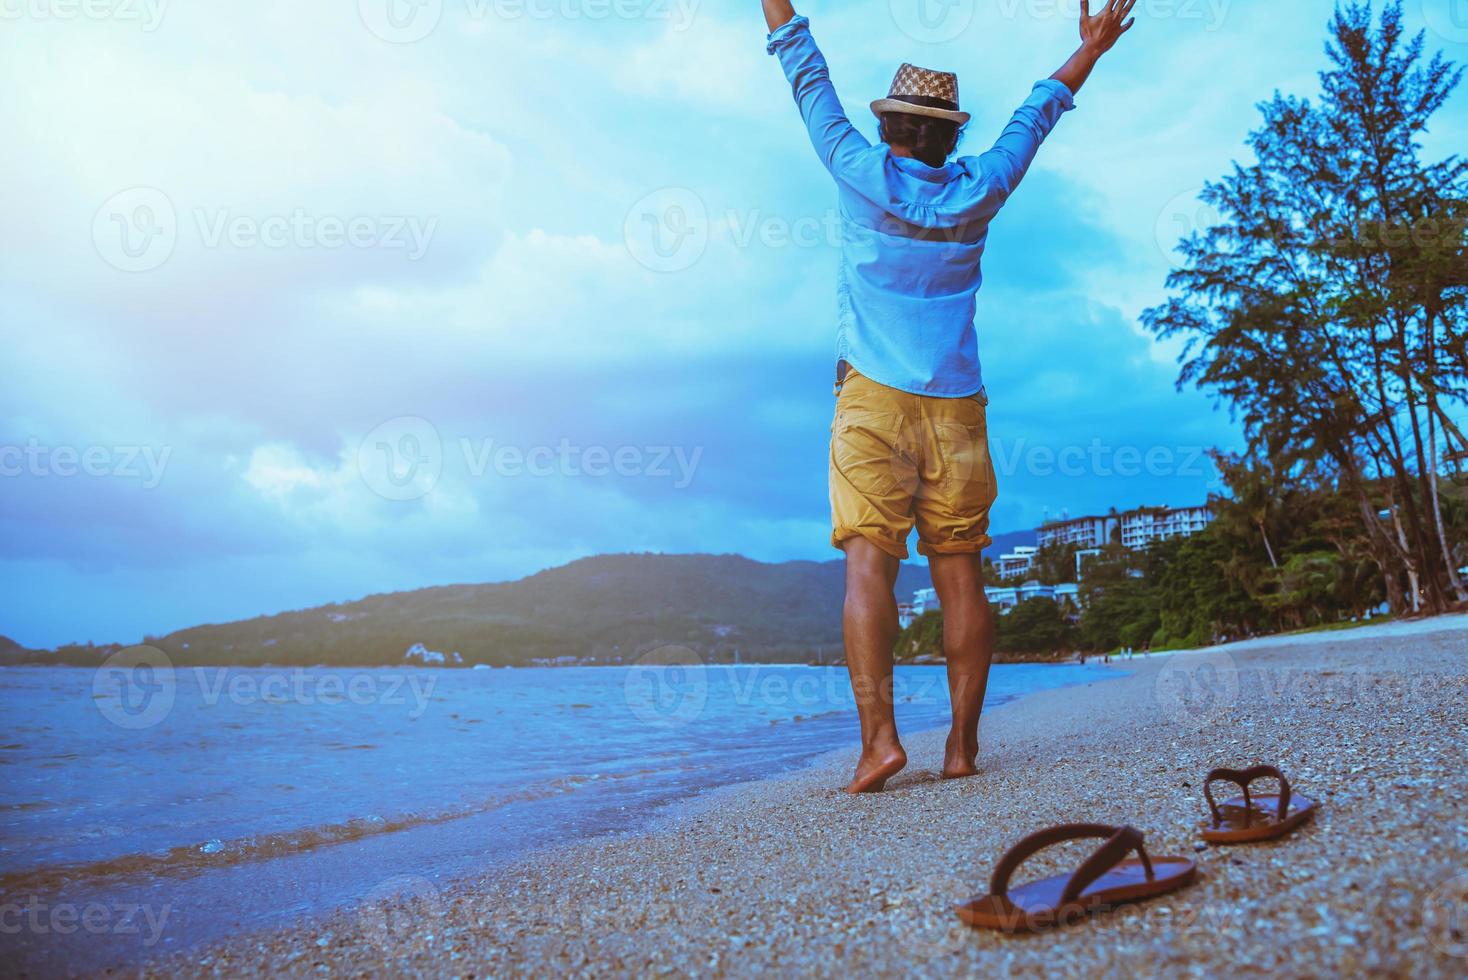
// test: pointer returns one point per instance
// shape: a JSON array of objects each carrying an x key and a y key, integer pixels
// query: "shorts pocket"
[
  {"x": 968, "y": 471},
  {"x": 864, "y": 450}
]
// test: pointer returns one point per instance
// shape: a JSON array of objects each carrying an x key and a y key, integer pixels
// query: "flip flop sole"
[
  {"x": 1037, "y": 906},
  {"x": 1243, "y": 824}
]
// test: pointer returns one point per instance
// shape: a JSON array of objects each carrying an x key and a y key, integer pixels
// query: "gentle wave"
[{"x": 195, "y": 859}]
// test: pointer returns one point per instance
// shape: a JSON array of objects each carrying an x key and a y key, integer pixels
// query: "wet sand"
[{"x": 790, "y": 876}]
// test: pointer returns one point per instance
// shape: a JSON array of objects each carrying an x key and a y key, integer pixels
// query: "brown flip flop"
[
  {"x": 1104, "y": 879},
  {"x": 1253, "y": 818}
]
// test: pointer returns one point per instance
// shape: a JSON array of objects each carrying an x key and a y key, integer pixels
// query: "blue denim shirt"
[{"x": 912, "y": 236}]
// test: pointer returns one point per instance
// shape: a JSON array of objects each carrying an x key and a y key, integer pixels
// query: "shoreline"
[
  {"x": 257, "y": 879},
  {"x": 1393, "y": 627},
  {"x": 788, "y": 874}
]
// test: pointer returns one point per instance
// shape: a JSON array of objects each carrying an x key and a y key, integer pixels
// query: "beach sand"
[{"x": 790, "y": 876}]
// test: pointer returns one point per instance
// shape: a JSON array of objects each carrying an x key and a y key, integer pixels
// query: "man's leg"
[
  {"x": 968, "y": 643},
  {"x": 869, "y": 628}
]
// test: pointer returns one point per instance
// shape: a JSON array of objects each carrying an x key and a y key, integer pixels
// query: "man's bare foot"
[
  {"x": 959, "y": 757},
  {"x": 878, "y": 763}
]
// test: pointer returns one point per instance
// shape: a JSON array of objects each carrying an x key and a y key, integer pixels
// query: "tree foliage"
[
  {"x": 1327, "y": 307},
  {"x": 1035, "y": 626}
]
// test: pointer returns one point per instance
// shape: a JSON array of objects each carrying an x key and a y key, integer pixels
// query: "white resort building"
[
  {"x": 1087, "y": 532},
  {"x": 1136, "y": 529},
  {"x": 1141, "y": 527},
  {"x": 1017, "y": 562},
  {"x": 1002, "y": 598},
  {"x": 925, "y": 600}
]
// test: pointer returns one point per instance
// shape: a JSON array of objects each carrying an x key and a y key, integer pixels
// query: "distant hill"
[
  {"x": 7, "y": 645},
  {"x": 606, "y": 609}
]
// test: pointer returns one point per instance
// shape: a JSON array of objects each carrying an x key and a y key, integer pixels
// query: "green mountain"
[{"x": 605, "y": 609}]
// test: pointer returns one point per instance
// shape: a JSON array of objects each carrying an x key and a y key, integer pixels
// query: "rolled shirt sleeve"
[
  {"x": 786, "y": 32},
  {"x": 835, "y": 139},
  {"x": 1015, "y": 150}
]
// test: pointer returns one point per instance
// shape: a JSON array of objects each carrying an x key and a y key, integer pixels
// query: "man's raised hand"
[{"x": 1100, "y": 32}]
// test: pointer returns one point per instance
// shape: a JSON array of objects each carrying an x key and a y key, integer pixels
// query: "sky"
[{"x": 304, "y": 302}]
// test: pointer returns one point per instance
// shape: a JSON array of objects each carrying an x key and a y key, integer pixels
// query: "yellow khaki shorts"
[{"x": 899, "y": 459}]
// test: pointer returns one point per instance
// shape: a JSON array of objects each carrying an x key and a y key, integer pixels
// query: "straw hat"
[{"x": 923, "y": 92}]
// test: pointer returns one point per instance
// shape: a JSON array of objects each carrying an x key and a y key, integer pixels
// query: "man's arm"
[
  {"x": 1098, "y": 34},
  {"x": 1016, "y": 147},
  {"x": 832, "y": 134},
  {"x": 778, "y": 13}
]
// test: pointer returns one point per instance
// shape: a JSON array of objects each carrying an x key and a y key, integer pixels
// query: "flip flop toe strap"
[
  {"x": 1242, "y": 778},
  {"x": 1120, "y": 841}
]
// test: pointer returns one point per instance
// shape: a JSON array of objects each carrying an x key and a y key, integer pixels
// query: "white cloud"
[
  {"x": 278, "y": 471},
  {"x": 698, "y": 67},
  {"x": 255, "y": 178}
]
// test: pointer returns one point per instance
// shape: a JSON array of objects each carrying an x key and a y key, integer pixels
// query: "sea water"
[{"x": 141, "y": 814}]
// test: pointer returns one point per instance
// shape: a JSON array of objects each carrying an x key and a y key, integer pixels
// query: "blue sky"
[{"x": 302, "y": 302}]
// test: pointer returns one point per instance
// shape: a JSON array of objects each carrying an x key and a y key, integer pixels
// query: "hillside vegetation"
[{"x": 605, "y": 609}]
